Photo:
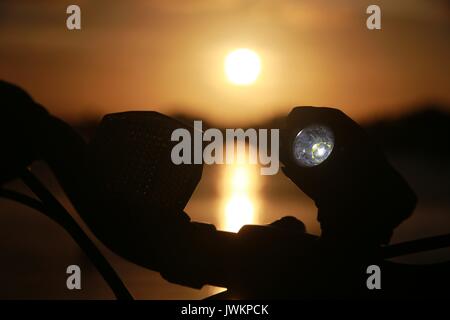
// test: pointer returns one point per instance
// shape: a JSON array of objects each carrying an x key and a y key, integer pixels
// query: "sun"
[{"x": 242, "y": 66}]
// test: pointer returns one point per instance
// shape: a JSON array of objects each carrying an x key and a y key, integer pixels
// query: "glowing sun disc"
[{"x": 242, "y": 66}]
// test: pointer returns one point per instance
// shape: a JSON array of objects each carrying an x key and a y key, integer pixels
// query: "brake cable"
[{"x": 52, "y": 208}]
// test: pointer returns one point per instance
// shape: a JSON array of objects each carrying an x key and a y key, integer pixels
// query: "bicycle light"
[
  {"x": 313, "y": 145},
  {"x": 359, "y": 195}
]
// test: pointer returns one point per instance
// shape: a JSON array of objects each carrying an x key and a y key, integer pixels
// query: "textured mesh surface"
[{"x": 130, "y": 157}]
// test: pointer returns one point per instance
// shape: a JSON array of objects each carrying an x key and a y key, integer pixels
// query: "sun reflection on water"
[{"x": 240, "y": 207}]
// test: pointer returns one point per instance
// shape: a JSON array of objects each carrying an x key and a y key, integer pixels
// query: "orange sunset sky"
[{"x": 169, "y": 56}]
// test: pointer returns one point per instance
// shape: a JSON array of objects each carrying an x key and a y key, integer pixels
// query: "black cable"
[
  {"x": 39, "y": 206},
  {"x": 415, "y": 246},
  {"x": 51, "y": 207},
  {"x": 25, "y": 200}
]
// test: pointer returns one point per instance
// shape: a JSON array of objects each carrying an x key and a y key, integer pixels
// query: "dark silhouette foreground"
[{"x": 126, "y": 188}]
